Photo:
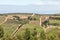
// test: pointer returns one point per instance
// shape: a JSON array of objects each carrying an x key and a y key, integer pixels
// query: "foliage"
[
  {"x": 29, "y": 17},
  {"x": 27, "y": 34},
  {"x": 20, "y": 37},
  {"x": 54, "y": 22},
  {"x": 42, "y": 36},
  {"x": 32, "y": 18},
  {"x": 45, "y": 23},
  {"x": 34, "y": 34},
  {"x": 16, "y": 17},
  {"x": 52, "y": 36},
  {"x": 24, "y": 21},
  {"x": 1, "y": 32},
  {"x": 7, "y": 37}
]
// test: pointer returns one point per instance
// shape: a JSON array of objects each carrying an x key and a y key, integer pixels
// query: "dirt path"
[
  {"x": 17, "y": 29},
  {"x": 4, "y": 20}
]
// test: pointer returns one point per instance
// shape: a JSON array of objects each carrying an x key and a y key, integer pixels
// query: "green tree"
[
  {"x": 45, "y": 23},
  {"x": 17, "y": 18},
  {"x": 29, "y": 17}
]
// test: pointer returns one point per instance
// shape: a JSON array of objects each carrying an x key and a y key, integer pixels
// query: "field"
[
  {"x": 10, "y": 25},
  {"x": 55, "y": 22}
]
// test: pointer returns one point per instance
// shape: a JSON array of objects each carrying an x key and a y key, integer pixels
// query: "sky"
[
  {"x": 27, "y": 2},
  {"x": 45, "y": 6}
]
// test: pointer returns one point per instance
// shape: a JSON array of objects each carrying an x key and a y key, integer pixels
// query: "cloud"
[
  {"x": 53, "y": 3},
  {"x": 47, "y": 3},
  {"x": 39, "y": 3},
  {"x": 7, "y": 2},
  {"x": 27, "y": 2}
]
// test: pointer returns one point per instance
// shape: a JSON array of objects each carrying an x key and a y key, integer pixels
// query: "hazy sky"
[
  {"x": 27, "y": 2},
  {"x": 35, "y": 6}
]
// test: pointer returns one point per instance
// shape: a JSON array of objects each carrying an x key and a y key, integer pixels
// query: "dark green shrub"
[
  {"x": 17, "y": 18},
  {"x": 29, "y": 17}
]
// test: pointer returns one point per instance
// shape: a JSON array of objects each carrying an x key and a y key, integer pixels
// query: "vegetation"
[
  {"x": 42, "y": 36},
  {"x": 2, "y": 19},
  {"x": 1, "y": 32},
  {"x": 27, "y": 34},
  {"x": 35, "y": 17},
  {"x": 16, "y": 18},
  {"x": 54, "y": 22},
  {"x": 28, "y": 31}
]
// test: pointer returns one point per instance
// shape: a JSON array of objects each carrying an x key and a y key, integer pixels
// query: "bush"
[
  {"x": 8, "y": 37},
  {"x": 31, "y": 18},
  {"x": 52, "y": 36},
  {"x": 17, "y": 18},
  {"x": 19, "y": 37},
  {"x": 1, "y": 32},
  {"x": 27, "y": 34},
  {"x": 34, "y": 34},
  {"x": 24, "y": 21},
  {"x": 42, "y": 36}
]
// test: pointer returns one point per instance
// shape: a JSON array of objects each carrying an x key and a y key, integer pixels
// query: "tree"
[
  {"x": 29, "y": 17},
  {"x": 17, "y": 18},
  {"x": 45, "y": 23}
]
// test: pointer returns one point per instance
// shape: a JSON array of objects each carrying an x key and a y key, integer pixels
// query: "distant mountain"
[{"x": 41, "y": 9}]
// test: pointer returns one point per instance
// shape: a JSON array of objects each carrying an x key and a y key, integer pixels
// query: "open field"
[{"x": 9, "y": 25}]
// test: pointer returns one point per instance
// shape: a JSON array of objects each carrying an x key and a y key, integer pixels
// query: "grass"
[
  {"x": 11, "y": 25},
  {"x": 2, "y": 19},
  {"x": 53, "y": 21},
  {"x": 30, "y": 27}
]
